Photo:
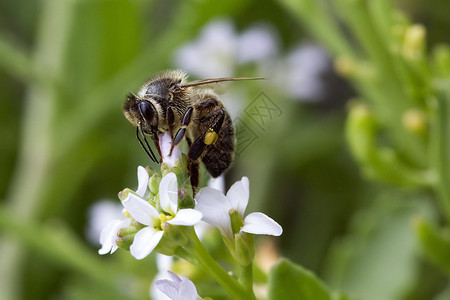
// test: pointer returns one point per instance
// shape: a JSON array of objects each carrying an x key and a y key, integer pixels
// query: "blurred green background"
[{"x": 65, "y": 69}]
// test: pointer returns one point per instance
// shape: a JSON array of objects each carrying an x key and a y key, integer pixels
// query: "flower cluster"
[
  {"x": 152, "y": 222},
  {"x": 219, "y": 50},
  {"x": 150, "y": 210},
  {"x": 160, "y": 216}
]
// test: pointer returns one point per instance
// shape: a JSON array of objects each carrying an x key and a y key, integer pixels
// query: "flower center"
[{"x": 164, "y": 217}]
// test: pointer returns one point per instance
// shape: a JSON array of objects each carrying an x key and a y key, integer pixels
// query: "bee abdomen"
[{"x": 219, "y": 156}]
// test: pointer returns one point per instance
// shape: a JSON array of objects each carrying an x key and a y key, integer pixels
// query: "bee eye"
[{"x": 146, "y": 110}]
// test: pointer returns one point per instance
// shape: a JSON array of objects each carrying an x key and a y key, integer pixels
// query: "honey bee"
[{"x": 168, "y": 103}]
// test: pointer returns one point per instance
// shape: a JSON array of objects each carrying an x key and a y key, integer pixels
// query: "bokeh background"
[{"x": 66, "y": 149}]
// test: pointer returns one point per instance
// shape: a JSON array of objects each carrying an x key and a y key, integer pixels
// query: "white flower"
[
  {"x": 143, "y": 212},
  {"x": 179, "y": 287},
  {"x": 217, "y": 183},
  {"x": 165, "y": 144},
  {"x": 216, "y": 209},
  {"x": 108, "y": 235},
  {"x": 163, "y": 263},
  {"x": 100, "y": 214},
  {"x": 219, "y": 49},
  {"x": 213, "y": 54},
  {"x": 256, "y": 44},
  {"x": 301, "y": 73},
  {"x": 143, "y": 178}
]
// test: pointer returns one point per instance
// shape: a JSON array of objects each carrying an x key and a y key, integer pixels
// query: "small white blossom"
[
  {"x": 165, "y": 144},
  {"x": 100, "y": 214},
  {"x": 219, "y": 49},
  {"x": 216, "y": 208},
  {"x": 143, "y": 178},
  {"x": 143, "y": 212},
  {"x": 108, "y": 235},
  {"x": 163, "y": 264},
  {"x": 217, "y": 183},
  {"x": 178, "y": 287},
  {"x": 213, "y": 54},
  {"x": 301, "y": 73},
  {"x": 256, "y": 44}
]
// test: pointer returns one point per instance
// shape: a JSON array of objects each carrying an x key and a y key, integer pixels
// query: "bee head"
[{"x": 141, "y": 113}]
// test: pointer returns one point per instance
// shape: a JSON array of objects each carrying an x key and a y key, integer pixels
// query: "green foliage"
[
  {"x": 66, "y": 66},
  {"x": 290, "y": 281},
  {"x": 435, "y": 243}
]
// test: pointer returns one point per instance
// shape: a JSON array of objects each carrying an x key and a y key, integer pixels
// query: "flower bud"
[
  {"x": 345, "y": 66},
  {"x": 153, "y": 183},
  {"x": 414, "y": 42},
  {"x": 149, "y": 171},
  {"x": 414, "y": 120},
  {"x": 124, "y": 194},
  {"x": 360, "y": 131},
  {"x": 126, "y": 237}
]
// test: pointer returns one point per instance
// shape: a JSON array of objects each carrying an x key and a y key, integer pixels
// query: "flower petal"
[
  {"x": 179, "y": 287},
  {"x": 142, "y": 181},
  {"x": 238, "y": 195},
  {"x": 174, "y": 158},
  {"x": 214, "y": 207},
  {"x": 168, "y": 287},
  {"x": 186, "y": 217},
  {"x": 217, "y": 183},
  {"x": 145, "y": 241},
  {"x": 168, "y": 193},
  {"x": 187, "y": 289},
  {"x": 259, "y": 223},
  {"x": 165, "y": 142},
  {"x": 108, "y": 235},
  {"x": 140, "y": 210},
  {"x": 177, "y": 280}
]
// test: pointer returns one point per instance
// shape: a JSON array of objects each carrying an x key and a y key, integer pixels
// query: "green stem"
[
  {"x": 26, "y": 192},
  {"x": 440, "y": 148},
  {"x": 209, "y": 265},
  {"x": 246, "y": 277},
  {"x": 315, "y": 16}
]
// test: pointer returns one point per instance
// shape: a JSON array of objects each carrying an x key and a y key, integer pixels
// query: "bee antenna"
[
  {"x": 216, "y": 80},
  {"x": 147, "y": 149}
]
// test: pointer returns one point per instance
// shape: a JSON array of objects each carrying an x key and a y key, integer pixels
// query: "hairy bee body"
[
  {"x": 167, "y": 103},
  {"x": 219, "y": 155}
]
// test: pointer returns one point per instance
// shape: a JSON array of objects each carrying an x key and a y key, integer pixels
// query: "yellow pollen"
[
  {"x": 164, "y": 217},
  {"x": 210, "y": 137},
  {"x": 127, "y": 214}
]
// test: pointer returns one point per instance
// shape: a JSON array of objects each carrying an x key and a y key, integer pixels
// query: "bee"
[{"x": 186, "y": 110}]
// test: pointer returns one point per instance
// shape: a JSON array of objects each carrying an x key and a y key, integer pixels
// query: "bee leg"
[
  {"x": 206, "y": 139},
  {"x": 189, "y": 141},
  {"x": 170, "y": 120},
  {"x": 182, "y": 131},
  {"x": 199, "y": 146},
  {"x": 194, "y": 176}
]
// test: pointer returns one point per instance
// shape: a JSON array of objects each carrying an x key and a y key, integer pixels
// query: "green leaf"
[
  {"x": 378, "y": 257},
  {"x": 290, "y": 281},
  {"x": 434, "y": 242}
]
